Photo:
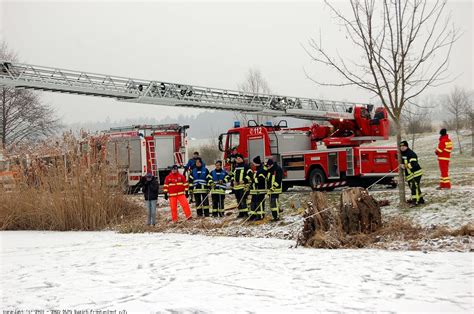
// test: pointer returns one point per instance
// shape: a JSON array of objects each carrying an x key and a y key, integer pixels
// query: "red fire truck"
[
  {"x": 321, "y": 156},
  {"x": 136, "y": 150}
]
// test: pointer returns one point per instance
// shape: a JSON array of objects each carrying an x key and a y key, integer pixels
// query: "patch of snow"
[
  {"x": 452, "y": 208},
  {"x": 165, "y": 272}
]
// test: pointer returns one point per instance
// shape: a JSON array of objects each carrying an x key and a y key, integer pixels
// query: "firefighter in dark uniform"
[
  {"x": 241, "y": 179},
  {"x": 198, "y": 179},
  {"x": 413, "y": 173},
  {"x": 258, "y": 191},
  {"x": 218, "y": 179},
  {"x": 231, "y": 159},
  {"x": 274, "y": 183}
]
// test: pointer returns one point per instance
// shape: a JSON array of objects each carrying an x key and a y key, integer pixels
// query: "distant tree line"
[{"x": 456, "y": 109}]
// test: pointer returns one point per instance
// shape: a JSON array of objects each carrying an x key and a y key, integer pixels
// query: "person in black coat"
[
  {"x": 258, "y": 191},
  {"x": 150, "y": 192},
  {"x": 275, "y": 187},
  {"x": 242, "y": 177},
  {"x": 413, "y": 173}
]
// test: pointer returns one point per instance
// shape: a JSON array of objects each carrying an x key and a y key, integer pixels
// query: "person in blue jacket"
[
  {"x": 218, "y": 179},
  {"x": 191, "y": 163},
  {"x": 198, "y": 181},
  {"x": 189, "y": 167}
]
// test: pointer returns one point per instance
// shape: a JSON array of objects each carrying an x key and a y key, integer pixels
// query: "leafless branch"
[
  {"x": 23, "y": 117},
  {"x": 406, "y": 45}
]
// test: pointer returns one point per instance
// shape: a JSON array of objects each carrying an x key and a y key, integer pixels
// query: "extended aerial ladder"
[{"x": 28, "y": 76}]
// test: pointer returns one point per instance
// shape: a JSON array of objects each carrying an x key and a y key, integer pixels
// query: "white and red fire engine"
[
  {"x": 316, "y": 155},
  {"x": 136, "y": 150}
]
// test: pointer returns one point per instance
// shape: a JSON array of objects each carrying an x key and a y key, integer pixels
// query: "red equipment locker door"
[{"x": 256, "y": 147}]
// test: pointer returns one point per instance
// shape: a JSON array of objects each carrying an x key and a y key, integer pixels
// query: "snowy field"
[
  {"x": 452, "y": 208},
  {"x": 185, "y": 273}
]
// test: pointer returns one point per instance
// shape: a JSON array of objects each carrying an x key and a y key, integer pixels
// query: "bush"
[
  {"x": 209, "y": 153},
  {"x": 63, "y": 192}
]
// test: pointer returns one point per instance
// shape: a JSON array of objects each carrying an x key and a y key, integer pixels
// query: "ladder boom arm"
[{"x": 20, "y": 75}]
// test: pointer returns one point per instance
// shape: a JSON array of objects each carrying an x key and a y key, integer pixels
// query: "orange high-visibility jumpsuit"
[
  {"x": 176, "y": 187},
  {"x": 445, "y": 147}
]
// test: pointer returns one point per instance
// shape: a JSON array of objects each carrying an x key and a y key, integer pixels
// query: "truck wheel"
[{"x": 316, "y": 177}]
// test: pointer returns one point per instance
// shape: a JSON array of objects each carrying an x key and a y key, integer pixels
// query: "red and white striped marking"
[
  {"x": 329, "y": 185},
  {"x": 178, "y": 158}
]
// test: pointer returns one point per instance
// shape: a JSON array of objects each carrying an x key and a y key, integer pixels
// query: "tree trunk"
[
  {"x": 401, "y": 178},
  {"x": 472, "y": 137},
  {"x": 359, "y": 212},
  {"x": 459, "y": 142},
  {"x": 4, "y": 120}
]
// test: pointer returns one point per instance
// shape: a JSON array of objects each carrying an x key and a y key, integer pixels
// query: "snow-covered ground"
[
  {"x": 184, "y": 273},
  {"x": 452, "y": 208}
]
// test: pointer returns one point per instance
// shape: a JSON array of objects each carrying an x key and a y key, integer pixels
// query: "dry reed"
[{"x": 64, "y": 187}]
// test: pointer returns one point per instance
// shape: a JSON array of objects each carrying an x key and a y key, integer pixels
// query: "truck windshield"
[{"x": 233, "y": 140}]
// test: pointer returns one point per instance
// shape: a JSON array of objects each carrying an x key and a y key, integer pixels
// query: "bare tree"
[
  {"x": 456, "y": 103},
  {"x": 468, "y": 112},
  {"x": 404, "y": 47},
  {"x": 22, "y": 115},
  {"x": 254, "y": 83},
  {"x": 416, "y": 122}
]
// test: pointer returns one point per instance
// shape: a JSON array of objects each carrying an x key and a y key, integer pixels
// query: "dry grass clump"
[
  {"x": 466, "y": 230},
  {"x": 324, "y": 240},
  {"x": 395, "y": 229},
  {"x": 400, "y": 228},
  {"x": 164, "y": 224},
  {"x": 66, "y": 188}
]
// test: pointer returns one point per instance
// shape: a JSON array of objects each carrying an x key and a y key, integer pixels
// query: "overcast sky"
[{"x": 203, "y": 43}]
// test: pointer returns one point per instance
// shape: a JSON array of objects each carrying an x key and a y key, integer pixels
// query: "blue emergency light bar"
[{"x": 236, "y": 124}]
